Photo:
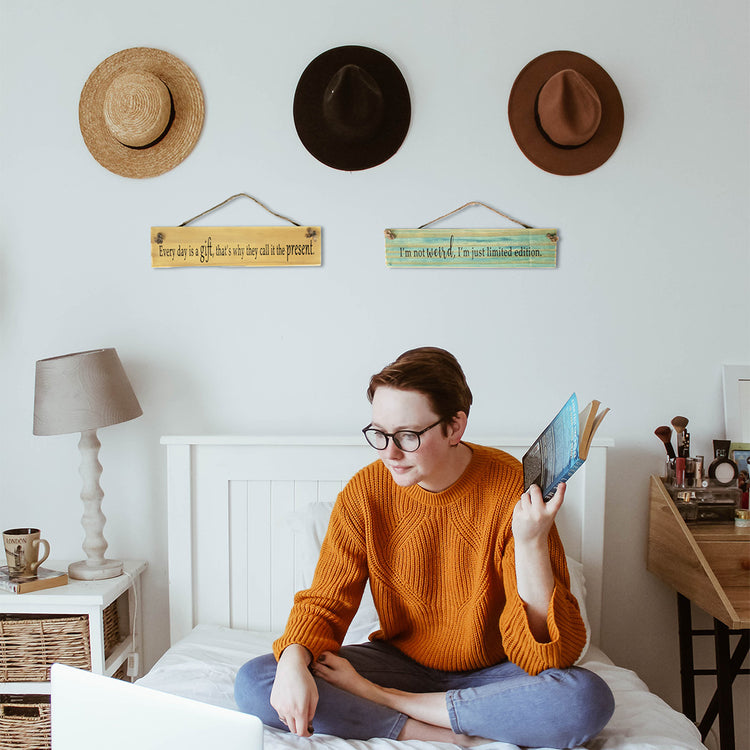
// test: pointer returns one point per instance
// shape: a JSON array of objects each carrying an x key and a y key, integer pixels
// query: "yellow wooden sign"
[{"x": 181, "y": 247}]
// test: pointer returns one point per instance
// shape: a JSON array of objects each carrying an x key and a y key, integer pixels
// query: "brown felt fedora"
[
  {"x": 565, "y": 113},
  {"x": 141, "y": 112},
  {"x": 352, "y": 108}
]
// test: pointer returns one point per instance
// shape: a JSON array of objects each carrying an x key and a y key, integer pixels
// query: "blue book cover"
[{"x": 562, "y": 447}]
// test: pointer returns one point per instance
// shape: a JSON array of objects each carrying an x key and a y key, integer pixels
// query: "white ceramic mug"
[{"x": 22, "y": 550}]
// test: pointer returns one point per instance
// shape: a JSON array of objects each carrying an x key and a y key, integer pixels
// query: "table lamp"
[{"x": 81, "y": 392}]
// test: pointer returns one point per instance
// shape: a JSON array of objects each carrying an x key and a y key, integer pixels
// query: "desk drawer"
[{"x": 730, "y": 561}]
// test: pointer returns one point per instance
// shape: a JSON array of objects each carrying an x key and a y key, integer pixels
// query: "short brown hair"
[{"x": 431, "y": 371}]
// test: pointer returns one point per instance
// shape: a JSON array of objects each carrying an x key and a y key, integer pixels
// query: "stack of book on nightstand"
[{"x": 45, "y": 579}]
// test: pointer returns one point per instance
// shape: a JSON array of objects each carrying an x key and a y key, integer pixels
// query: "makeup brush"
[
  {"x": 664, "y": 433},
  {"x": 683, "y": 439},
  {"x": 680, "y": 423}
]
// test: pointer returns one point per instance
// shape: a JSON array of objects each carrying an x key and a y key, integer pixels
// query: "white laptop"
[{"x": 90, "y": 712}]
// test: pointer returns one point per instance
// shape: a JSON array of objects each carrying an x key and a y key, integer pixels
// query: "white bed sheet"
[{"x": 202, "y": 666}]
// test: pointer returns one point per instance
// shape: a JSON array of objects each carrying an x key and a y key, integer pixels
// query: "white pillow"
[
  {"x": 309, "y": 526},
  {"x": 578, "y": 589}
]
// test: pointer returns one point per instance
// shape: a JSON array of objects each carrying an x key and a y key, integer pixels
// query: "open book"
[{"x": 562, "y": 447}]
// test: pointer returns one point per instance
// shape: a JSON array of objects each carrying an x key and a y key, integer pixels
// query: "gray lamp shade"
[{"x": 82, "y": 391}]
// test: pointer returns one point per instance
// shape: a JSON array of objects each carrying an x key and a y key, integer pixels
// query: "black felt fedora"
[
  {"x": 565, "y": 113},
  {"x": 352, "y": 108}
]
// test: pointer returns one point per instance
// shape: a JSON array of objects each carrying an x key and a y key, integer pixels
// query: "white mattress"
[{"x": 202, "y": 666}]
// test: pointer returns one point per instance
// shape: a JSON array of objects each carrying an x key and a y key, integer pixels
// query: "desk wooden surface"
[{"x": 707, "y": 563}]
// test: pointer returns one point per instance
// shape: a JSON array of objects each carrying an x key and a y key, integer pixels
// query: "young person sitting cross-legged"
[{"x": 478, "y": 629}]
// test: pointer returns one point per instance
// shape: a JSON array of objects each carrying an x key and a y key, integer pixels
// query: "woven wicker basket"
[
  {"x": 30, "y": 644},
  {"x": 25, "y": 723},
  {"x": 111, "y": 619}
]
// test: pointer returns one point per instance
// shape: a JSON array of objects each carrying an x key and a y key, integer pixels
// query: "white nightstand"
[
  {"x": 93, "y": 625},
  {"x": 118, "y": 598}
]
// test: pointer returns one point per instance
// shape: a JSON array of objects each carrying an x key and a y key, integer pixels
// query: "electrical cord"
[{"x": 132, "y": 668}]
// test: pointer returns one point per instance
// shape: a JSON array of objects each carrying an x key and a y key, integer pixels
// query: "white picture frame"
[{"x": 736, "y": 379}]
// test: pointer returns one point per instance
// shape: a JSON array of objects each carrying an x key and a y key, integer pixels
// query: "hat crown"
[
  {"x": 353, "y": 104},
  {"x": 137, "y": 108},
  {"x": 569, "y": 109}
]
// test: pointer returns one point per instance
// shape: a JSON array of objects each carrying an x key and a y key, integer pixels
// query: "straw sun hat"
[
  {"x": 141, "y": 112},
  {"x": 565, "y": 113}
]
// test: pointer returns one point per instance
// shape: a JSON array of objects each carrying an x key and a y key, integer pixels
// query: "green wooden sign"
[{"x": 471, "y": 248}]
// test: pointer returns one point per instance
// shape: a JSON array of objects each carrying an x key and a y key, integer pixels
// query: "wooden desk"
[{"x": 708, "y": 565}]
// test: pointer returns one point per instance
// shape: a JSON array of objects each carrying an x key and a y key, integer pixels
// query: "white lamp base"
[
  {"x": 83, "y": 570},
  {"x": 96, "y": 567}
]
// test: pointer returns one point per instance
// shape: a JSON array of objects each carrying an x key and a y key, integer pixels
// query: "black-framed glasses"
[{"x": 405, "y": 440}]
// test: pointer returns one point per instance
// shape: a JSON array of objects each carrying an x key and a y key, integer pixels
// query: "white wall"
[{"x": 650, "y": 295}]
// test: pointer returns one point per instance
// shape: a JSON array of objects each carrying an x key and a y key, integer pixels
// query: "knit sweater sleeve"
[
  {"x": 321, "y": 615},
  {"x": 566, "y": 629}
]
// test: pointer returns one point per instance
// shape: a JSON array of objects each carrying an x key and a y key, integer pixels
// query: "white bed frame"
[{"x": 230, "y": 500}]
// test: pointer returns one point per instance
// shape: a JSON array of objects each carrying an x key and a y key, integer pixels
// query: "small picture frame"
[
  {"x": 740, "y": 454},
  {"x": 736, "y": 379}
]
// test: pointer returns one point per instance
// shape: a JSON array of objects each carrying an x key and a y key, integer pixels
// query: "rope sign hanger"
[
  {"x": 474, "y": 203},
  {"x": 231, "y": 198}
]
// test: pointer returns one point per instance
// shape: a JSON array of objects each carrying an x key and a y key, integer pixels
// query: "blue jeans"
[{"x": 558, "y": 708}]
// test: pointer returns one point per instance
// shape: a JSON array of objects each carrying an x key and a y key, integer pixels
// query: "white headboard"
[{"x": 232, "y": 552}]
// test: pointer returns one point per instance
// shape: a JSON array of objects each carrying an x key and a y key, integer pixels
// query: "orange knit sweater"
[{"x": 442, "y": 571}]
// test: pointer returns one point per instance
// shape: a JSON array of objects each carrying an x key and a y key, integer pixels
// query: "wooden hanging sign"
[
  {"x": 471, "y": 248},
  {"x": 179, "y": 247},
  {"x": 183, "y": 246}
]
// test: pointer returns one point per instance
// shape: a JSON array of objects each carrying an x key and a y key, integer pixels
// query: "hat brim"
[
  {"x": 532, "y": 140},
  {"x": 315, "y": 133},
  {"x": 183, "y": 131}
]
